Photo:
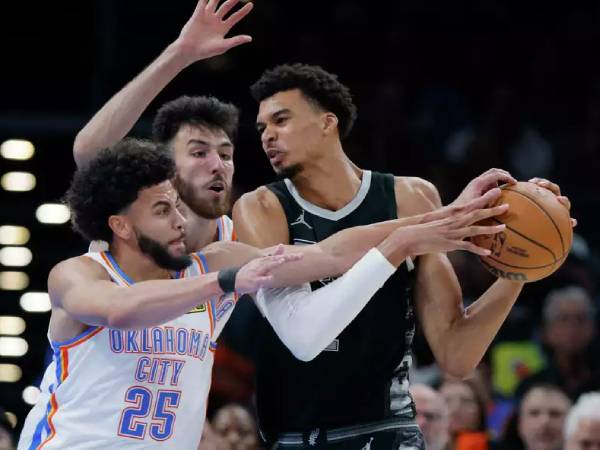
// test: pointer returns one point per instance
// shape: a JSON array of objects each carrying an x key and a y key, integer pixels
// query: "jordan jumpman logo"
[
  {"x": 367, "y": 445},
  {"x": 300, "y": 221}
]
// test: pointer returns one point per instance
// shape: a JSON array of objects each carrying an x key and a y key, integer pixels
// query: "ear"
[
  {"x": 120, "y": 226},
  {"x": 330, "y": 123}
]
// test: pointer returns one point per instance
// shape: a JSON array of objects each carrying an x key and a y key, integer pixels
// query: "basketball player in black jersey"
[{"x": 354, "y": 395}]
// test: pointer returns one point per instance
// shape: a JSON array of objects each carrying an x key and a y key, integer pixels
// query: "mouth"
[
  {"x": 217, "y": 186},
  {"x": 179, "y": 241},
  {"x": 275, "y": 156}
]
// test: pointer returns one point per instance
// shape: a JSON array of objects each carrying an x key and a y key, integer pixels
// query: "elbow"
[
  {"x": 304, "y": 354},
  {"x": 303, "y": 348},
  {"x": 79, "y": 149}
]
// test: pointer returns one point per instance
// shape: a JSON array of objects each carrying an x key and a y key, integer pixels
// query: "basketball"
[{"x": 537, "y": 238}]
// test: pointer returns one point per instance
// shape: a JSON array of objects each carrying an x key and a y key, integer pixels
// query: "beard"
[
  {"x": 288, "y": 172},
  {"x": 206, "y": 208},
  {"x": 160, "y": 254}
]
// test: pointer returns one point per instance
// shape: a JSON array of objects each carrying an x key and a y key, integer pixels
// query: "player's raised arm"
[{"x": 202, "y": 37}]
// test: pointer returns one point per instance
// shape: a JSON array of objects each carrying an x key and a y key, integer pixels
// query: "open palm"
[{"x": 204, "y": 33}]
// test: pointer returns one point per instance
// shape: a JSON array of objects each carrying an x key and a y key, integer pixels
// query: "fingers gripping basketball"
[{"x": 537, "y": 238}]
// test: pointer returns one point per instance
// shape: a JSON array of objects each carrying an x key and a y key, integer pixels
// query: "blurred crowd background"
[{"x": 445, "y": 90}]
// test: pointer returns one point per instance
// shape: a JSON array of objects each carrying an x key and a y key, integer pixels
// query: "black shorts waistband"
[{"x": 339, "y": 434}]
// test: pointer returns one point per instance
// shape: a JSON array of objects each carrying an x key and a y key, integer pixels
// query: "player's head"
[
  {"x": 582, "y": 426},
  {"x": 201, "y": 132},
  {"x": 125, "y": 194},
  {"x": 542, "y": 415},
  {"x": 302, "y": 109}
]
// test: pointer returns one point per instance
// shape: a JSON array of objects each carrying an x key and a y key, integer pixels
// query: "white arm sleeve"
[{"x": 308, "y": 321}]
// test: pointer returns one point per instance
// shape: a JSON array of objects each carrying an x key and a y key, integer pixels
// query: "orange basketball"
[{"x": 537, "y": 238}]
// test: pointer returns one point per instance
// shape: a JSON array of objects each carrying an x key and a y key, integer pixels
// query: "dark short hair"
[
  {"x": 204, "y": 111},
  {"x": 316, "y": 84},
  {"x": 541, "y": 385},
  {"x": 112, "y": 182}
]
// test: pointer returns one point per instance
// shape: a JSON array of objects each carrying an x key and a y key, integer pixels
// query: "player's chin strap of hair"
[
  {"x": 226, "y": 279},
  {"x": 308, "y": 321}
]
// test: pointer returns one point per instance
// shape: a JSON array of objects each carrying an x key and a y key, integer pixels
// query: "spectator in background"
[
  {"x": 210, "y": 440},
  {"x": 568, "y": 333},
  {"x": 432, "y": 416},
  {"x": 539, "y": 420},
  {"x": 467, "y": 414},
  {"x": 6, "y": 439},
  {"x": 236, "y": 427},
  {"x": 582, "y": 427}
]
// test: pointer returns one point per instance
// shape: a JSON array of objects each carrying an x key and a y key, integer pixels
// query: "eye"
[
  {"x": 281, "y": 120},
  {"x": 199, "y": 153},
  {"x": 226, "y": 156}
]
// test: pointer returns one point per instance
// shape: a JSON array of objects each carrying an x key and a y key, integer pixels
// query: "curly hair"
[
  {"x": 205, "y": 111},
  {"x": 316, "y": 84},
  {"x": 112, "y": 182}
]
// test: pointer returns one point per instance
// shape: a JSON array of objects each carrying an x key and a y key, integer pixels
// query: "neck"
[
  {"x": 330, "y": 181},
  {"x": 200, "y": 232},
  {"x": 136, "y": 265}
]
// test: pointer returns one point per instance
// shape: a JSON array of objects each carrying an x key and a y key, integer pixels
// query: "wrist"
[
  {"x": 395, "y": 248},
  {"x": 180, "y": 54},
  {"x": 227, "y": 278}
]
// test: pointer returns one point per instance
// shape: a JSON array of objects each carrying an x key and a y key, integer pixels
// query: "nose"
[
  {"x": 268, "y": 135},
  {"x": 215, "y": 163},
  {"x": 179, "y": 220}
]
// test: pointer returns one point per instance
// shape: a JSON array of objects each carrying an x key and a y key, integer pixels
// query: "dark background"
[{"x": 420, "y": 72}]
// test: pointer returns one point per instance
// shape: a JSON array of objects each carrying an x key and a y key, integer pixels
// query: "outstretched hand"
[
  {"x": 203, "y": 36},
  {"x": 258, "y": 273}
]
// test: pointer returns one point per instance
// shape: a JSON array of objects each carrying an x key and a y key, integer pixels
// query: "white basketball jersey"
[
  {"x": 142, "y": 389},
  {"x": 226, "y": 231}
]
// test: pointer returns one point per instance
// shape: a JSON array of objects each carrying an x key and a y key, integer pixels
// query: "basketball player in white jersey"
[
  {"x": 133, "y": 328},
  {"x": 114, "y": 383}
]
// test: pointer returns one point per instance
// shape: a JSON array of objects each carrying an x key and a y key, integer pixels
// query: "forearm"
[
  {"x": 308, "y": 321},
  {"x": 349, "y": 245},
  {"x": 337, "y": 254},
  {"x": 470, "y": 336},
  {"x": 149, "y": 303},
  {"x": 119, "y": 115}
]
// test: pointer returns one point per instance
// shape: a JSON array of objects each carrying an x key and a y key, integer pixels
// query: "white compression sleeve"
[{"x": 308, "y": 321}]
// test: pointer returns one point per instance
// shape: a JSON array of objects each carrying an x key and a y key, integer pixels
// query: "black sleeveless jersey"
[{"x": 362, "y": 376}]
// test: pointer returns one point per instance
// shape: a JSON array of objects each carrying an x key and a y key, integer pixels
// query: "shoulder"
[
  {"x": 74, "y": 271},
  {"x": 416, "y": 195},
  {"x": 261, "y": 199},
  {"x": 259, "y": 218},
  {"x": 78, "y": 265}
]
